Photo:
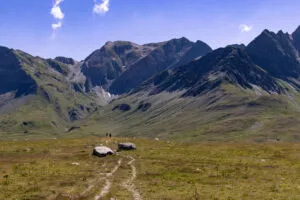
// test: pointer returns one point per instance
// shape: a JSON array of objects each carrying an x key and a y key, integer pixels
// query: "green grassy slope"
[
  {"x": 51, "y": 108},
  {"x": 225, "y": 114}
]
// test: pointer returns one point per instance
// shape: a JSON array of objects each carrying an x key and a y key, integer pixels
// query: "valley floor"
[{"x": 65, "y": 169}]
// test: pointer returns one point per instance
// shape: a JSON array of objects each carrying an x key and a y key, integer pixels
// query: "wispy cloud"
[
  {"x": 101, "y": 8},
  {"x": 245, "y": 28},
  {"x": 56, "y": 26},
  {"x": 58, "y": 15}
]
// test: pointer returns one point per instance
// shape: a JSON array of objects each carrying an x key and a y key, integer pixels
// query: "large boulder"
[
  {"x": 102, "y": 151},
  {"x": 126, "y": 146}
]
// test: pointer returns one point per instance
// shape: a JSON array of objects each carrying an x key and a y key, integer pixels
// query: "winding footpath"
[
  {"x": 128, "y": 184},
  {"x": 106, "y": 188}
]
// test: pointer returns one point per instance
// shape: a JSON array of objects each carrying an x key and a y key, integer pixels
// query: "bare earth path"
[
  {"x": 128, "y": 184},
  {"x": 106, "y": 188}
]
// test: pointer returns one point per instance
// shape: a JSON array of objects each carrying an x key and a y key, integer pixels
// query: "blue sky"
[{"x": 85, "y": 25}]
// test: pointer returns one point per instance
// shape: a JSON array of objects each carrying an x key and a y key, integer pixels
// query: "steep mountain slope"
[
  {"x": 296, "y": 39},
  {"x": 199, "y": 49},
  {"x": 120, "y": 66},
  {"x": 228, "y": 64},
  {"x": 164, "y": 57},
  {"x": 108, "y": 63},
  {"x": 276, "y": 54},
  {"x": 35, "y": 94},
  {"x": 12, "y": 78}
]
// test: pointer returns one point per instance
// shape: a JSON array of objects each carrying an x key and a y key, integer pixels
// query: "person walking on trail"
[
  {"x": 106, "y": 134},
  {"x": 110, "y": 135}
]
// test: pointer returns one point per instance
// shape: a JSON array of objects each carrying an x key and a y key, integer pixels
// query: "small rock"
[
  {"x": 157, "y": 139},
  {"x": 75, "y": 163},
  {"x": 126, "y": 146}
]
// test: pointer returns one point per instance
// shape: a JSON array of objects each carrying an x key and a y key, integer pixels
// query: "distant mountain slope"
[
  {"x": 108, "y": 63},
  {"x": 176, "y": 89},
  {"x": 36, "y": 90},
  {"x": 12, "y": 77},
  {"x": 120, "y": 66},
  {"x": 229, "y": 64},
  {"x": 166, "y": 56},
  {"x": 223, "y": 96},
  {"x": 276, "y": 54}
]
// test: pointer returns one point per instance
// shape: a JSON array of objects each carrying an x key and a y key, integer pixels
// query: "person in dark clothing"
[
  {"x": 106, "y": 134},
  {"x": 110, "y": 135}
]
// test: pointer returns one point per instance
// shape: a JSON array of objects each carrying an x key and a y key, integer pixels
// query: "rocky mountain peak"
[
  {"x": 296, "y": 38},
  {"x": 275, "y": 53}
]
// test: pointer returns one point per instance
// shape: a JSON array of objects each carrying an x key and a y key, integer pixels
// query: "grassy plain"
[{"x": 65, "y": 169}]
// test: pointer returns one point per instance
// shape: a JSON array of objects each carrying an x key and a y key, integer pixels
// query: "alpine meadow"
[{"x": 145, "y": 116}]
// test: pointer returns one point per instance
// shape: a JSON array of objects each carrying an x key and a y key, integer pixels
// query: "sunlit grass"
[{"x": 166, "y": 170}]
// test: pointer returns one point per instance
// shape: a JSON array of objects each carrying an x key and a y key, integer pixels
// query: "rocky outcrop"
[
  {"x": 144, "y": 107},
  {"x": 122, "y": 107},
  {"x": 58, "y": 66},
  {"x": 68, "y": 61}
]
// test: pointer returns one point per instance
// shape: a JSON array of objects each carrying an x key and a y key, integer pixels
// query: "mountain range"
[{"x": 175, "y": 89}]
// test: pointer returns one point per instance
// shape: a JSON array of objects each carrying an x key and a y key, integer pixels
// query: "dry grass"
[{"x": 166, "y": 170}]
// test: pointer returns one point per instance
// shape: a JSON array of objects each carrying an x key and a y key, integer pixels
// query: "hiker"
[
  {"x": 106, "y": 134},
  {"x": 110, "y": 135}
]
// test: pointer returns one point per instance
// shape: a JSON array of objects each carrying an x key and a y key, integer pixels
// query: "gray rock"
[
  {"x": 102, "y": 151},
  {"x": 126, "y": 146}
]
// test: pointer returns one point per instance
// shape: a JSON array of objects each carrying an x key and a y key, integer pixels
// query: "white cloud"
[
  {"x": 56, "y": 26},
  {"x": 57, "y": 13},
  {"x": 101, "y": 8},
  {"x": 57, "y": 2},
  {"x": 245, "y": 28}
]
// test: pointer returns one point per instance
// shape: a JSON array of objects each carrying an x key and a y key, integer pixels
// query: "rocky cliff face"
[{"x": 276, "y": 54}]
